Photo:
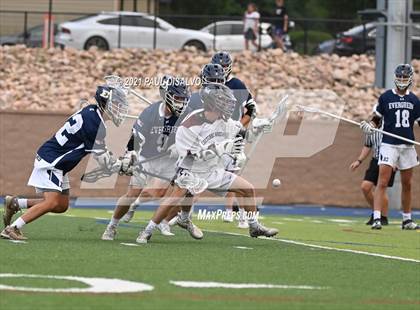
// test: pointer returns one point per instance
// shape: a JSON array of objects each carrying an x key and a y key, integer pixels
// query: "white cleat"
[
  {"x": 173, "y": 221},
  {"x": 129, "y": 215},
  {"x": 165, "y": 229},
  {"x": 109, "y": 233},
  {"x": 243, "y": 225},
  {"x": 194, "y": 231},
  {"x": 228, "y": 217},
  {"x": 143, "y": 237}
]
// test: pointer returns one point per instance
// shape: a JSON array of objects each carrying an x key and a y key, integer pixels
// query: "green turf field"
[{"x": 69, "y": 246}]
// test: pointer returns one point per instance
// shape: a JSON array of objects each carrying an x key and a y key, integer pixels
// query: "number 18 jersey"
[
  {"x": 399, "y": 113},
  {"x": 82, "y": 133}
]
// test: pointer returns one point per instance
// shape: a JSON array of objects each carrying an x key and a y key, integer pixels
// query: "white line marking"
[
  {"x": 317, "y": 222},
  {"x": 341, "y": 221},
  {"x": 130, "y": 244},
  {"x": 243, "y": 248},
  {"x": 96, "y": 285},
  {"x": 325, "y": 247},
  {"x": 17, "y": 241},
  {"x": 195, "y": 284},
  {"x": 291, "y": 219},
  {"x": 101, "y": 218},
  {"x": 278, "y": 223}
]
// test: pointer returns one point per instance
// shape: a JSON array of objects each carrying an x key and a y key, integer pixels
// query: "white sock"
[
  {"x": 184, "y": 215},
  {"x": 164, "y": 222},
  {"x": 19, "y": 223},
  {"x": 252, "y": 221},
  {"x": 114, "y": 221},
  {"x": 241, "y": 214},
  {"x": 376, "y": 215},
  {"x": 150, "y": 227},
  {"x": 23, "y": 203},
  {"x": 406, "y": 216}
]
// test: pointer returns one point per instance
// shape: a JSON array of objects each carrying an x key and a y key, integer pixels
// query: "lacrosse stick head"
[
  {"x": 280, "y": 110},
  {"x": 114, "y": 81}
]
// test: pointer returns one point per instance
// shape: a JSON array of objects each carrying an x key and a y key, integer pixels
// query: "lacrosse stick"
[
  {"x": 273, "y": 118},
  {"x": 316, "y": 110},
  {"x": 100, "y": 173}
]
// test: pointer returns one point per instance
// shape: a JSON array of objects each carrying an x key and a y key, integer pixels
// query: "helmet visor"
[{"x": 117, "y": 105}]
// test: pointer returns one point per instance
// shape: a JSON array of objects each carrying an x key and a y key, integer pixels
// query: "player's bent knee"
[{"x": 366, "y": 187}]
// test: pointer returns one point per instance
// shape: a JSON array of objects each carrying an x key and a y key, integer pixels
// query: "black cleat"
[
  {"x": 370, "y": 222},
  {"x": 409, "y": 225},
  {"x": 384, "y": 220}
]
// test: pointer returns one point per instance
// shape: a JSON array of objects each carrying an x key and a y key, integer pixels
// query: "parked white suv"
[
  {"x": 136, "y": 31},
  {"x": 229, "y": 35}
]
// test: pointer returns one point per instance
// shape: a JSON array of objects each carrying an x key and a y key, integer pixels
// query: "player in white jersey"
[
  {"x": 202, "y": 139},
  {"x": 399, "y": 109},
  {"x": 82, "y": 134}
]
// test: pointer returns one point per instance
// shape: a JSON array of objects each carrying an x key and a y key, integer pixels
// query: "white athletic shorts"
[
  {"x": 401, "y": 157},
  {"x": 46, "y": 178},
  {"x": 164, "y": 167},
  {"x": 219, "y": 180}
]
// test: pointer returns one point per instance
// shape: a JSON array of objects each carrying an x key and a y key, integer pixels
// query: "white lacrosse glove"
[
  {"x": 262, "y": 125},
  {"x": 230, "y": 146},
  {"x": 367, "y": 127},
  {"x": 173, "y": 151},
  {"x": 127, "y": 162},
  {"x": 105, "y": 159}
]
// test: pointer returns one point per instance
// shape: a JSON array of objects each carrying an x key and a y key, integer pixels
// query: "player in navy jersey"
[
  {"x": 245, "y": 111},
  {"x": 399, "y": 109},
  {"x": 153, "y": 134},
  {"x": 83, "y": 133}
]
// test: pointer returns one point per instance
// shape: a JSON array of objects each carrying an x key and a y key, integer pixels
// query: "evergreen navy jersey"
[
  {"x": 83, "y": 132},
  {"x": 241, "y": 93},
  {"x": 399, "y": 114},
  {"x": 153, "y": 131}
]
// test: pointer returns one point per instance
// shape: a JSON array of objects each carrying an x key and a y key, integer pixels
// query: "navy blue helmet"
[
  {"x": 113, "y": 102},
  {"x": 403, "y": 76},
  {"x": 175, "y": 93},
  {"x": 213, "y": 73},
  {"x": 225, "y": 60},
  {"x": 218, "y": 97}
]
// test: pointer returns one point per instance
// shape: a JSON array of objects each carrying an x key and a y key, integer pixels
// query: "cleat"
[
  {"x": 228, "y": 217},
  {"x": 165, "y": 229},
  {"x": 12, "y": 233},
  {"x": 384, "y": 220},
  {"x": 173, "y": 221},
  {"x": 129, "y": 215},
  {"x": 194, "y": 231},
  {"x": 409, "y": 225},
  {"x": 260, "y": 230},
  {"x": 109, "y": 233},
  {"x": 11, "y": 207},
  {"x": 143, "y": 237},
  {"x": 370, "y": 222},
  {"x": 376, "y": 224},
  {"x": 243, "y": 225}
]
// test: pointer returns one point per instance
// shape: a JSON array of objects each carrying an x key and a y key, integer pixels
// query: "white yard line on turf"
[
  {"x": 199, "y": 284},
  {"x": 324, "y": 247}
]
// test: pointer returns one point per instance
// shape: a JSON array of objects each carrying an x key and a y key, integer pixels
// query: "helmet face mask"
[
  {"x": 175, "y": 94},
  {"x": 403, "y": 77},
  {"x": 218, "y": 98},
  {"x": 113, "y": 102},
  {"x": 117, "y": 105}
]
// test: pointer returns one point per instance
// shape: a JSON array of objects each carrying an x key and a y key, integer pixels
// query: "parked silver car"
[{"x": 109, "y": 30}]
